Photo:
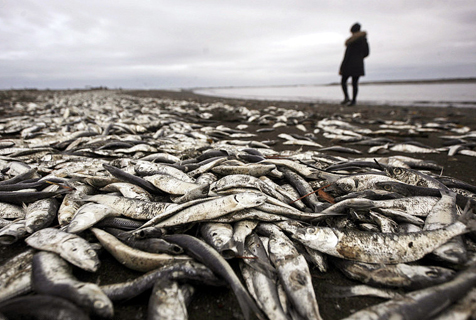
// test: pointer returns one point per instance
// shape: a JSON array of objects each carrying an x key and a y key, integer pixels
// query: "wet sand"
[{"x": 220, "y": 303}]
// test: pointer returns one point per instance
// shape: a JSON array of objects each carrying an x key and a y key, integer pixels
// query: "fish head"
[
  {"x": 397, "y": 173},
  {"x": 345, "y": 185},
  {"x": 250, "y": 199},
  {"x": 317, "y": 238},
  {"x": 425, "y": 276},
  {"x": 32, "y": 225},
  {"x": 80, "y": 253},
  {"x": 99, "y": 303}
]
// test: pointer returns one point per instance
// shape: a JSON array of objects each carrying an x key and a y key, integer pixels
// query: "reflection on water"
[{"x": 440, "y": 94}]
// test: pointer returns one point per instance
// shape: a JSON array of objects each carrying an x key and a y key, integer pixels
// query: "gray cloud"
[{"x": 175, "y": 44}]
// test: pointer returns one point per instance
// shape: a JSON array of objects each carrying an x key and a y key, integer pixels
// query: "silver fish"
[
  {"x": 373, "y": 247},
  {"x": 15, "y": 275},
  {"x": 133, "y": 258},
  {"x": 214, "y": 208},
  {"x": 40, "y": 214},
  {"x": 293, "y": 272},
  {"x": 71, "y": 247},
  {"x": 220, "y": 237},
  {"x": 424, "y": 303},
  {"x": 169, "y": 300},
  {"x": 135, "y": 209},
  {"x": 407, "y": 276},
  {"x": 88, "y": 215},
  {"x": 13, "y": 232},
  {"x": 54, "y": 276}
]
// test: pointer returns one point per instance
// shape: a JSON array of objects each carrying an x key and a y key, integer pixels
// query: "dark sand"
[{"x": 220, "y": 303}]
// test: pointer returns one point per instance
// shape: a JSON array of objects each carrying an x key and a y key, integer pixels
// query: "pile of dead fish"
[{"x": 168, "y": 191}]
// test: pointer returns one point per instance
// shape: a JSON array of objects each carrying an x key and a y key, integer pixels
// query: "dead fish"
[
  {"x": 214, "y": 208},
  {"x": 40, "y": 214},
  {"x": 401, "y": 275},
  {"x": 293, "y": 272},
  {"x": 152, "y": 245},
  {"x": 424, "y": 303},
  {"x": 88, "y": 215},
  {"x": 11, "y": 211},
  {"x": 414, "y": 177},
  {"x": 169, "y": 300},
  {"x": 71, "y": 247},
  {"x": 132, "y": 208},
  {"x": 128, "y": 190},
  {"x": 13, "y": 232},
  {"x": 220, "y": 237},
  {"x": 52, "y": 275},
  {"x": 373, "y": 247},
  {"x": 133, "y": 258},
  {"x": 15, "y": 275}
]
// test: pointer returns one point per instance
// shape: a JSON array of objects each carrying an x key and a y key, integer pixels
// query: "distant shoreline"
[
  {"x": 379, "y": 82},
  {"x": 424, "y": 81}
]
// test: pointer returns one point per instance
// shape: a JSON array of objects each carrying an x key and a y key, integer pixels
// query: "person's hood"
[{"x": 355, "y": 36}]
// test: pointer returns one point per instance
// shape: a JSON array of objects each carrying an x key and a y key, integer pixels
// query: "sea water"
[{"x": 422, "y": 94}]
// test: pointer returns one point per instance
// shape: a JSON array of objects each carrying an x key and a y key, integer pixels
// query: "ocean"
[{"x": 458, "y": 94}]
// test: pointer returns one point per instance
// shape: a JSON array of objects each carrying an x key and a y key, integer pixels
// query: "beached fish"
[
  {"x": 40, "y": 214},
  {"x": 13, "y": 232},
  {"x": 72, "y": 248},
  {"x": 293, "y": 272},
  {"x": 169, "y": 300},
  {"x": 399, "y": 275},
  {"x": 220, "y": 237},
  {"x": 214, "y": 208},
  {"x": 373, "y": 247},
  {"x": 52, "y": 275},
  {"x": 88, "y": 215},
  {"x": 424, "y": 303},
  {"x": 15, "y": 275},
  {"x": 132, "y": 208},
  {"x": 133, "y": 258}
]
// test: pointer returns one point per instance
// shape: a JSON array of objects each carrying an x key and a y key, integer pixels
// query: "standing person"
[{"x": 357, "y": 48}]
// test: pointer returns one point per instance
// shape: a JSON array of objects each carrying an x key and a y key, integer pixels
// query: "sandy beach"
[{"x": 220, "y": 303}]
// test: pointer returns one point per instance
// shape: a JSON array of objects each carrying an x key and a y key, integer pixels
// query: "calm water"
[{"x": 443, "y": 95}]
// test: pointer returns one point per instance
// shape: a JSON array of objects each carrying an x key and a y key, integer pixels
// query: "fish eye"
[
  {"x": 99, "y": 304},
  {"x": 397, "y": 170},
  {"x": 387, "y": 188},
  {"x": 311, "y": 230},
  {"x": 91, "y": 252}
]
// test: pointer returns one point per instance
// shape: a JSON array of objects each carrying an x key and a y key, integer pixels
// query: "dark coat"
[{"x": 357, "y": 49}]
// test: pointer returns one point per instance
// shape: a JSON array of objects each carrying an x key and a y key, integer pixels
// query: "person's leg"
[
  {"x": 355, "y": 89},
  {"x": 343, "y": 83}
]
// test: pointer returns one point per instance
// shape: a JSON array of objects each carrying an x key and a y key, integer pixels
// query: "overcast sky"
[{"x": 197, "y": 43}]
